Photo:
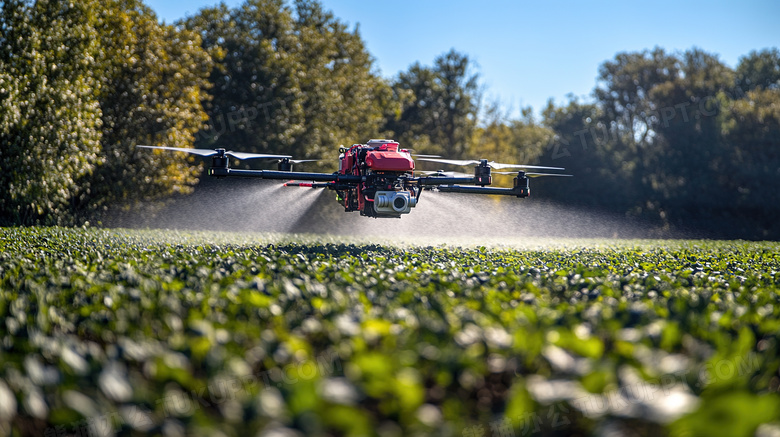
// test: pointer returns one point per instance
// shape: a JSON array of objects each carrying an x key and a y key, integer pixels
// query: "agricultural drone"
[{"x": 378, "y": 178}]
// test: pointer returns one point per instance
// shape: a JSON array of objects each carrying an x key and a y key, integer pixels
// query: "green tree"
[
  {"x": 658, "y": 111},
  {"x": 440, "y": 105},
  {"x": 689, "y": 156},
  {"x": 154, "y": 78},
  {"x": 751, "y": 129},
  {"x": 413, "y": 124},
  {"x": 292, "y": 80},
  {"x": 627, "y": 113},
  {"x": 343, "y": 98},
  {"x": 504, "y": 139},
  {"x": 256, "y": 97},
  {"x": 759, "y": 69},
  {"x": 583, "y": 143},
  {"x": 50, "y": 115}
]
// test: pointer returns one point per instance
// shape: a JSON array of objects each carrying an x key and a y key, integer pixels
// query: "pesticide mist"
[
  {"x": 230, "y": 205},
  {"x": 267, "y": 206}
]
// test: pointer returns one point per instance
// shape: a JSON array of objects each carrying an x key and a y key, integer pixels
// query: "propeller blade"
[
  {"x": 492, "y": 164},
  {"x": 449, "y": 174},
  {"x": 532, "y": 175},
  {"x": 298, "y": 161},
  {"x": 538, "y": 175},
  {"x": 500, "y": 166},
  {"x": 242, "y": 155},
  {"x": 451, "y": 161},
  {"x": 201, "y": 152},
  {"x": 208, "y": 152}
]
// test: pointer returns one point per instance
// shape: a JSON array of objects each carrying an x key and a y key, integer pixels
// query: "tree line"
[
  {"x": 681, "y": 139},
  {"x": 677, "y": 138}
]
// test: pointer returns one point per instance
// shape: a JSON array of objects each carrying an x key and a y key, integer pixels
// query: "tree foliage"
[
  {"x": 292, "y": 80},
  {"x": 154, "y": 79},
  {"x": 587, "y": 147},
  {"x": 82, "y": 83},
  {"x": 343, "y": 98},
  {"x": 752, "y": 127},
  {"x": 440, "y": 105},
  {"x": 504, "y": 139},
  {"x": 255, "y": 104},
  {"x": 50, "y": 114},
  {"x": 687, "y": 130},
  {"x": 759, "y": 69},
  {"x": 676, "y": 138}
]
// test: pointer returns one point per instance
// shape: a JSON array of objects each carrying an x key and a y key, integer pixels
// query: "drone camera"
[
  {"x": 400, "y": 203},
  {"x": 394, "y": 202}
]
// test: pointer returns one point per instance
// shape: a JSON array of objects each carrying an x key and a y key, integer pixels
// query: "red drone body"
[{"x": 382, "y": 192}]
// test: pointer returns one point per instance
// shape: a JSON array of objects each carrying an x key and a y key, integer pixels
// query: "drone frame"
[
  {"x": 377, "y": 179},
  {"x": 220, "y": 168}
]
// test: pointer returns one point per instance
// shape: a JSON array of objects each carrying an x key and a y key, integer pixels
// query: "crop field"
[{"x": 119, "y": 332}]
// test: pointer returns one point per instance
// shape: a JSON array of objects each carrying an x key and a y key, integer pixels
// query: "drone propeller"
[
  {"x": 532, "y": 175},
  {"x": 208, "y": 152},
  {"x": 491, "y": 164},
  {"x": 449, "y": 174}
]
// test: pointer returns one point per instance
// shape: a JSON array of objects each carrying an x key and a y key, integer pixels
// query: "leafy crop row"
[{"x": 135, "y": 332}]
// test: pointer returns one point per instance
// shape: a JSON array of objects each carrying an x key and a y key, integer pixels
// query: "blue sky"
[{"x": 528, "y": 52}]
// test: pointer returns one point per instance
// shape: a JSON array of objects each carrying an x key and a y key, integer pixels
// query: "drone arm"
[
  {"x": 438, "y": 180},
  {"x": 518, "y": 192},
  {"x": 286, "y": 175},
  {"x": 520, "y": 188}
]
